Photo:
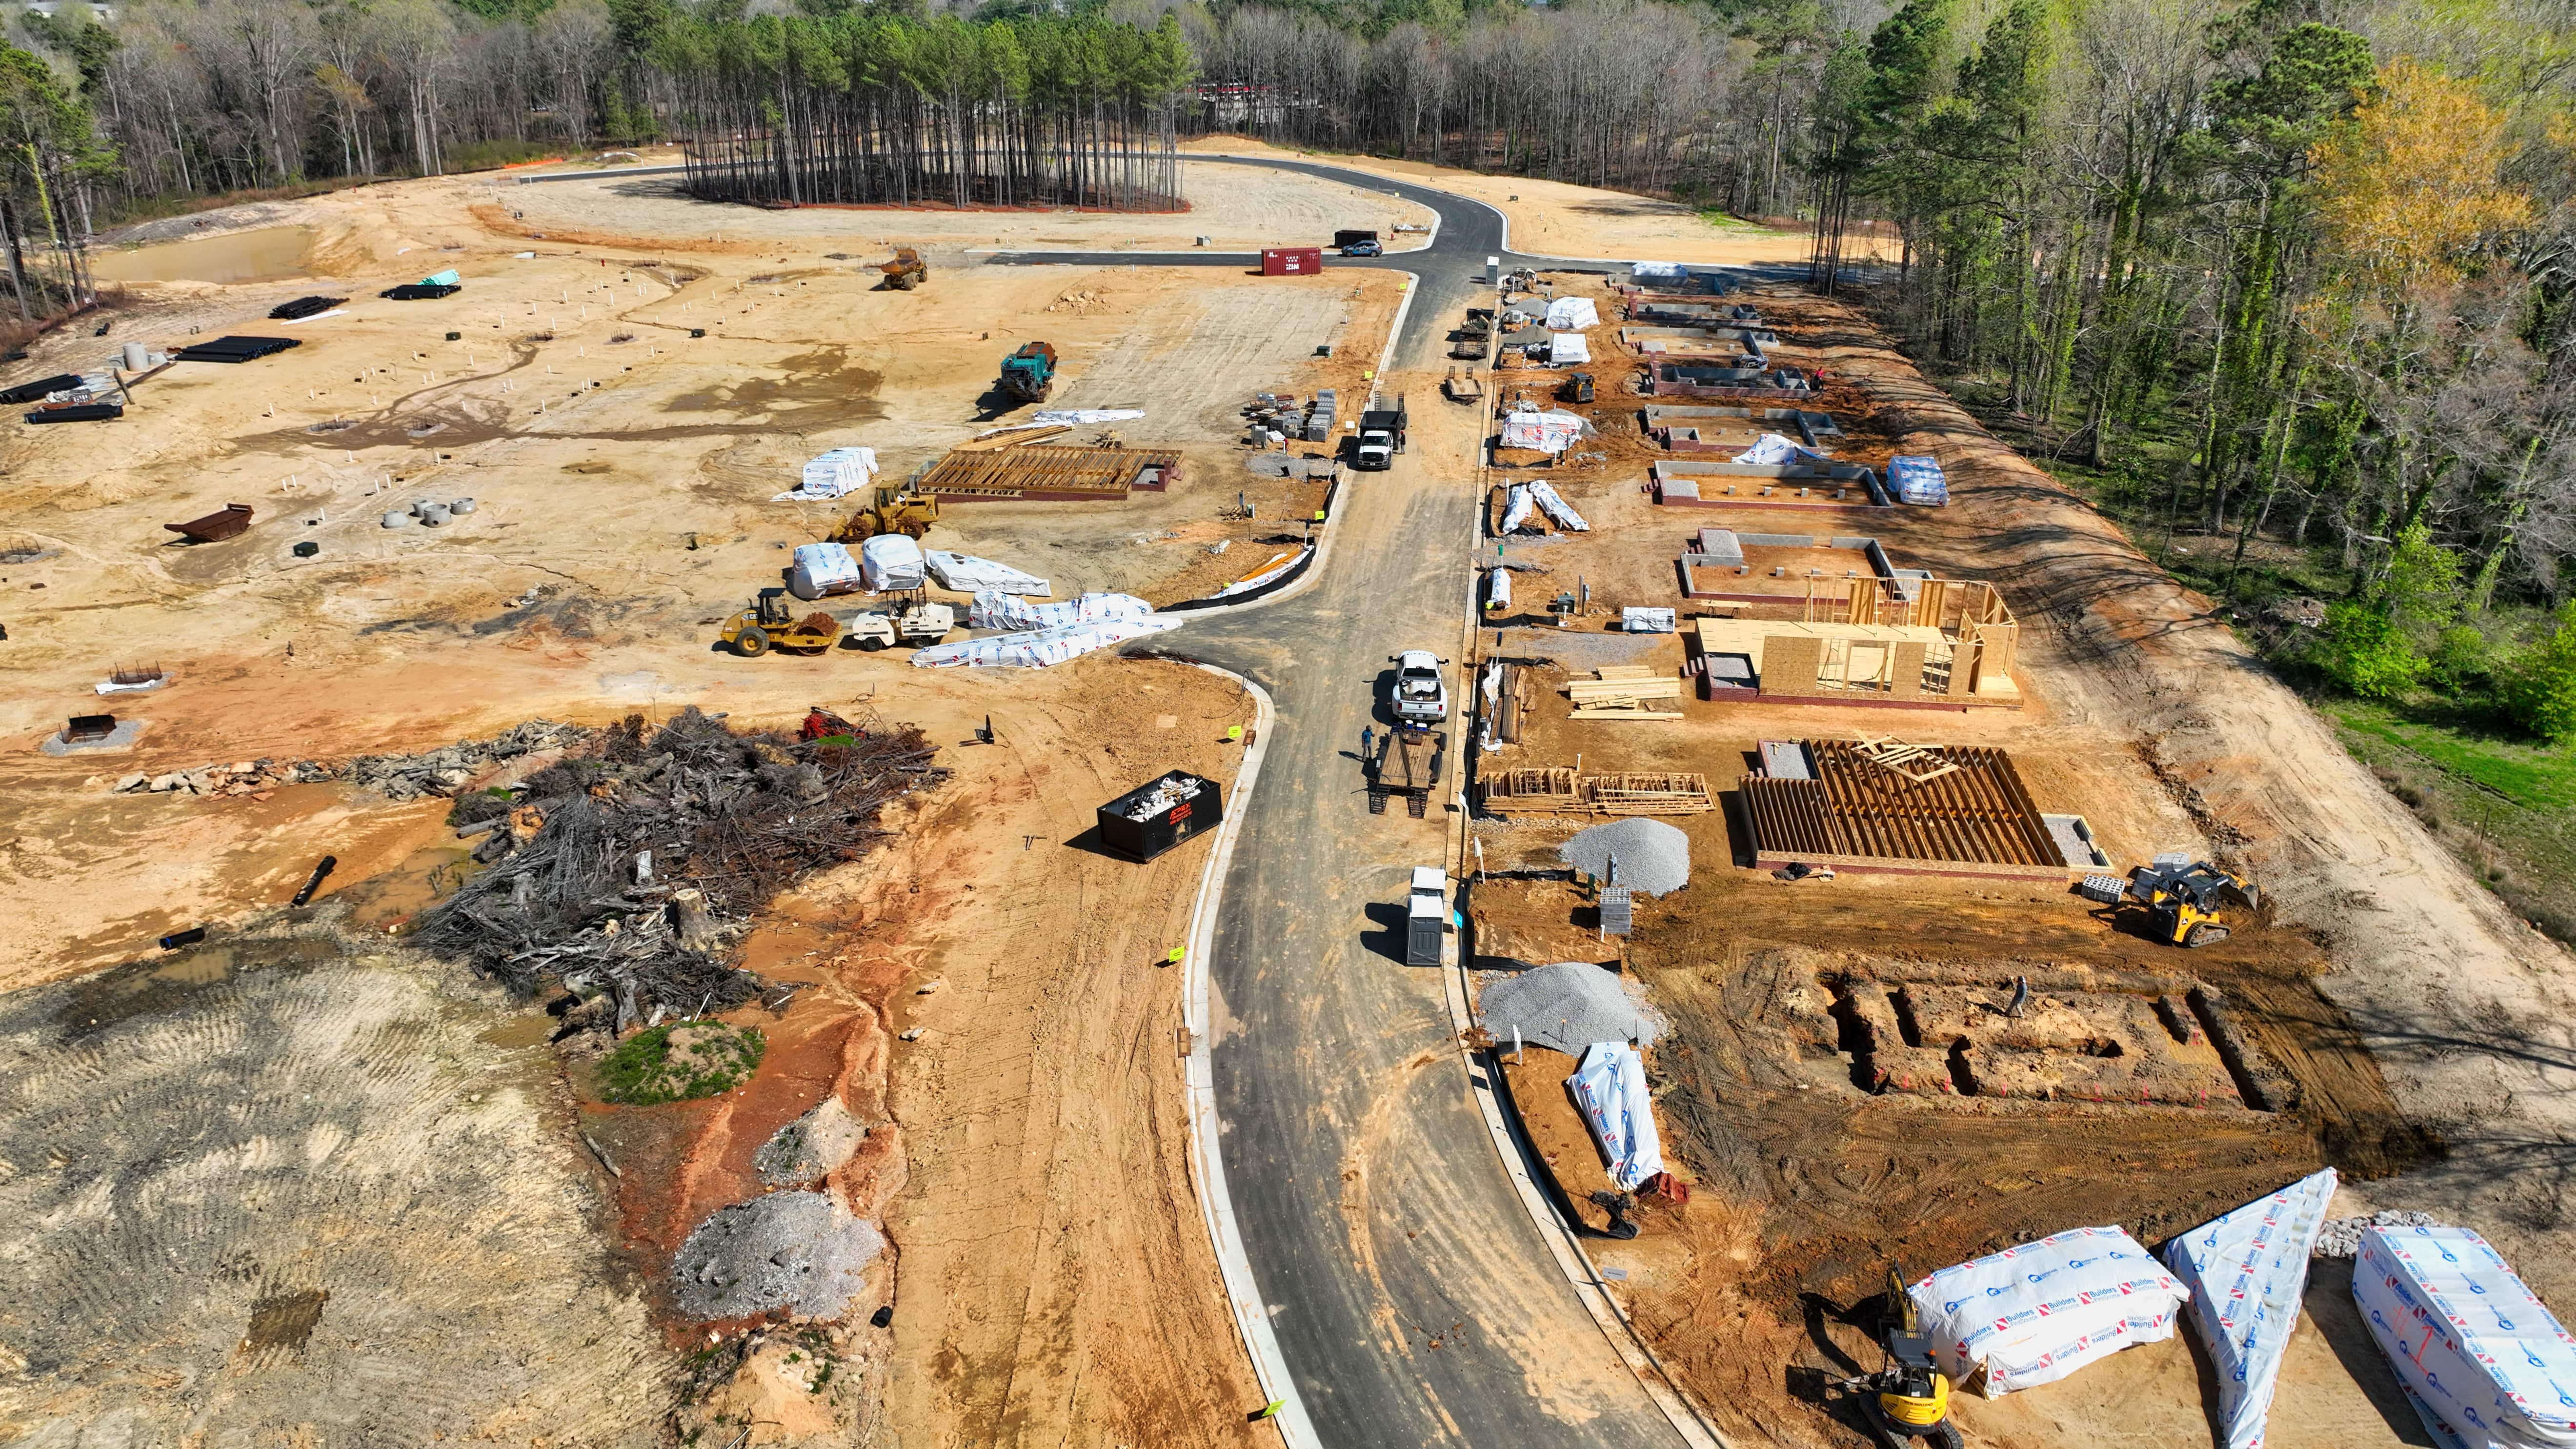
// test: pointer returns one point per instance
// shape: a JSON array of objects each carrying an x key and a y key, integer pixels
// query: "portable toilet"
[
  {"x": 1426, "y": 916},
  {"x": 1493, "y": 271}
]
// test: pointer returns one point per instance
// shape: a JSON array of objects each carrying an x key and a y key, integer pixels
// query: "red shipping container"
[{"x": 1291, "y": 261}]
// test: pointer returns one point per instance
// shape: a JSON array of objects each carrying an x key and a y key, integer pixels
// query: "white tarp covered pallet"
[
  {"x": 817, "y": 569},
  {"x": 890, "y": 562},
  {"x": 969, "y": 575},
  {"x": 1041, "y": 647},
  {"x": 1082, "y": 417},
  {"x": 832, "y": 475},
  {"x": 1610, "y": 1084},
  {"x": 2246, "y": 1272},
  {"x": 2485, "y": 1363},
  {"x": 1517, "y": 507},
  {"x": 1565, "y": 347},
  {"x": 1545, "y": 495},
  {"x": 1498, "y": 589},
  {"x": 993, "y": 609},
  {"x": 1551, "y": 431},
  {"x": 1777, "y": 448},
  {"x": 2033, "y": 1314},
  {"x": 1569, "y": 314},
  {"x": 1658, "y": 269}
]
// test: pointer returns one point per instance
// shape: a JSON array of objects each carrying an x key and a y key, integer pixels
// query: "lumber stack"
[
  {"x": 1545, "y": 789},
  {"x": 1556, "y": 790},
  {"x": 1624, "y": 691}
]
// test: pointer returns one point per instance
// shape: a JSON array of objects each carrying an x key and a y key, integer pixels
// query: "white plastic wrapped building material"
[
  {"x": 1551, "y": 431},
  {"x": 835, "y": 474},
  {"x": 1610, "y": 1086},
  {"x": 1777, "y": 448},
  {"x": 891, "y": 561},
  {"x": 1647, "y": 619},
  {"x": 818, "y": 569},
  {"x": 1039, "y": 648},
  {"x": 1083, "y": 417},
  {"x": 1660, "y": 270},
  {"x": 1544, "y": 494},
  {"x": 1565, "y": 347},
  {"x": 1517, "y": 507},
  {"x": 970, "y": 575},
  {"x": 2033, "y": 1314},
  {"x": 993, "y": 609},
  {"x": 2486, "y": 1364},
  {"x": 1498, "y": 589},
  {"x": 2246, "y": 1272},
  {"x": 1569, "y": 314}
]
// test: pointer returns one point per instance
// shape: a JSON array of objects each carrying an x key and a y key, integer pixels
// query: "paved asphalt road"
[{"x": 1412, "y": 1297}]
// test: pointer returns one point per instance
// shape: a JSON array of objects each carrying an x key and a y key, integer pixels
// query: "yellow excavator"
[
  {"x": 896, "y": 509},
  {"x": 1908, "y": 1400},
  {"x": 2183, "y": 897}
]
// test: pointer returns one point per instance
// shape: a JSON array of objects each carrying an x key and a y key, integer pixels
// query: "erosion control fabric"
[
  {"x": 2246, "y": 1272},
  {"x": 2486, "y": 1364},
  {"x": 2033, "y": 1314}
]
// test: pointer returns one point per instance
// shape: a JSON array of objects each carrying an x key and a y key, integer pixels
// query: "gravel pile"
[
  {"x": 798, "y": 1250},
  {"x": 1653, "y": 857},
  {"x": 2341, "y": 1237},
  {"x": 810, "y": 1146},
  {"x": 1568, "y": 1006}
]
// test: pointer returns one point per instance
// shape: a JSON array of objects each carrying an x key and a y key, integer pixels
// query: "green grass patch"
[
  {"x": 2534, "y": 777},
  {"x": 1724, "y": 220},
  {"x": 680, "y": 1062}
]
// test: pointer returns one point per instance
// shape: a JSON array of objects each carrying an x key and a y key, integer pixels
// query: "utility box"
[
  {"x": 1159, "y": 814},
  {"x": 1426, "y": 916},
  {"x": 1291, "y": 261}
]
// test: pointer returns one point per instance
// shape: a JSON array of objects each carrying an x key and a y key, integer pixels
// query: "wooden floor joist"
[
  {"x": 1041, "y": 471},
  {"x": 1948, "y": 806}
]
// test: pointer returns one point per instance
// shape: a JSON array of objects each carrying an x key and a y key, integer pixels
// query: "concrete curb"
[
  {"x": 1563, "y": 1243},
  {"x": 1207, "y": 1158}
]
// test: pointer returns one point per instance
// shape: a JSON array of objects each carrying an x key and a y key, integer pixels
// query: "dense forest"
[{"x": 2287, "y": 286}]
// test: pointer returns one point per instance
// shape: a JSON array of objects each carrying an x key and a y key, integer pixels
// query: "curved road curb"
[{"x": 1207, "y": 1162}]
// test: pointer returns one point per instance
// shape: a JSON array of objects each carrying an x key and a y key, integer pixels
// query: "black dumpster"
[{"x": 1159, "y": 814}]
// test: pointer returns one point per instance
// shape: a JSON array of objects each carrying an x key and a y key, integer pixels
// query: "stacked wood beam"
[
  {"x": 1624, "y": 691},
  {"x": 1038, "y": 471}
]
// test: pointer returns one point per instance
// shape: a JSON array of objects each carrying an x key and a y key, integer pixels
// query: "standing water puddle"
[{"x": 267, "y": 255}]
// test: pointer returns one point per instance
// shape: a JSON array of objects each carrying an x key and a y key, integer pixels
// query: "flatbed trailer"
[{"x": 1408, "y": 763}]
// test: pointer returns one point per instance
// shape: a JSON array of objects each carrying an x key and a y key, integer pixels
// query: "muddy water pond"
[{"x": 267, "y": 255}]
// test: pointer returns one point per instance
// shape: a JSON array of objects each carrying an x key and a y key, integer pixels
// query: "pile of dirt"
[{"x": 801, "y": 1251}]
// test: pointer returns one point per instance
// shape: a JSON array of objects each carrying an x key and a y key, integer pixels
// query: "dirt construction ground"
[
  {"x": 2143, "y": 715},
  {"x": 262, "y": 1189},
  {"x": 331, "y": 1161}
]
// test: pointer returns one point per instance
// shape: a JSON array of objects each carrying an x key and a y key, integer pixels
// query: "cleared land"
[{"x": 1825, "y": 1139}]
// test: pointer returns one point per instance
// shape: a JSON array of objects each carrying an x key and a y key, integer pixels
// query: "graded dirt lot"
[
  {"x": 2140, "y": 713},
  {"x": 623, "y": 483}
]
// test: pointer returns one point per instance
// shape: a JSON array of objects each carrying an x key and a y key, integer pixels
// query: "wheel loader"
[
  {"x": 2182, "y": 897},
  {"x": 895, "y": 510},
  {"x": 1909, "y": 1400},
  {"x": 906, "y": 271},
  {"x": 770, "y": 624}
]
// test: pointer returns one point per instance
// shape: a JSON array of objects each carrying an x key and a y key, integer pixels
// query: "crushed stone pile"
[
  {"x": 1568, "y": 1007},
  {"x": 801, "y": 1251},
  {"x": 811, "y": 1146},
  {"x": 1653, "y": 857},
  {"x": 2341, "y": 1237},
  {"x": 440, "y": 771}
]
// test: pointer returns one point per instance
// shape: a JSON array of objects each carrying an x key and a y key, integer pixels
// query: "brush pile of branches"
[{"x": 626, "y": 874}]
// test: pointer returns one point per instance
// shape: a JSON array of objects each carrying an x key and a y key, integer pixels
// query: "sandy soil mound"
[{"x": 794, "y": 1250}]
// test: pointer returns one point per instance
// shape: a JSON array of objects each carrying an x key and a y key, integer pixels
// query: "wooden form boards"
[{"x": 1041, "y": 472}]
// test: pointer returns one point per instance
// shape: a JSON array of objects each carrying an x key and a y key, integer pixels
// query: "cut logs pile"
[
  {"x": 626, "y": 874},
  {"x": 1624, "y": 691}
]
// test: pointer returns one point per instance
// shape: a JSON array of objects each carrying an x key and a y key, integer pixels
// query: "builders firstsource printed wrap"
[
  {"x": 2485, "y": 1362},
  {"x": 2246, "y": 1272},
  {"x": 2033, "y": 1314}
]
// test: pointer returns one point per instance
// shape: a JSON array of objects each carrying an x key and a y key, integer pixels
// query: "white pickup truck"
[{"x": 1420, "y": 694}]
